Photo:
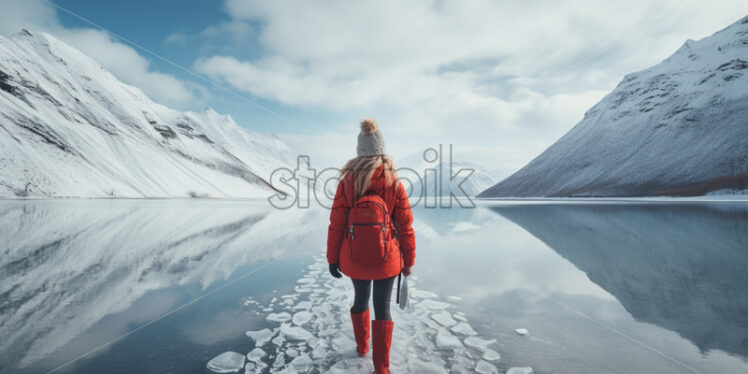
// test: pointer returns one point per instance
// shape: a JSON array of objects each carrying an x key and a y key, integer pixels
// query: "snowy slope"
[
  {"x": 479, "y": 180},
  {"x": 71, "y": 129},
  {"x": 677, "y": 128}
]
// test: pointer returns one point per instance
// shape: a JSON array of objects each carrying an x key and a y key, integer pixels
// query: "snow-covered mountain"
[
  {"x": 71, "y": 129},
  {"x": 677, "y": 128},
  {"x": 479, "y": 180}
]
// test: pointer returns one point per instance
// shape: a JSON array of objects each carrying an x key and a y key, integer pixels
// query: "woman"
[{"x": 364, "y": 181}]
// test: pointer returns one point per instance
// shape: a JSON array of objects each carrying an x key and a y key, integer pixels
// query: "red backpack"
[{"x": 369, "y": 230}]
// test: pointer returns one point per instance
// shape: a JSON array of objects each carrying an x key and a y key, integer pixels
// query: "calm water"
[{"x": 163, "y": 286}]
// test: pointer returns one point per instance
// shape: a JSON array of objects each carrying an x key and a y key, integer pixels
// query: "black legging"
[{"x": 382, "y": 295}]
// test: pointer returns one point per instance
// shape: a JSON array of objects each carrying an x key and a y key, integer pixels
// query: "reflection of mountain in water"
[
  {"x": 681, "y": 267},
  {"x": 67, "y": 264}
]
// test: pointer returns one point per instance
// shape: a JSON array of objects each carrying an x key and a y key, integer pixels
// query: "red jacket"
[{"x": 397, "y": 204}]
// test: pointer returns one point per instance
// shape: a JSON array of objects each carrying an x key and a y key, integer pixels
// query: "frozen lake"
[{"x": 165, "y": 286}]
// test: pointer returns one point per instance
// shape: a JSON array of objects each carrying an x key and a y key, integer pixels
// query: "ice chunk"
[
  {"x": 522, "y": 332},
  {"x": 444, "y": 318},
  {"x": 460, "y": 317},
  {"x": 454, "y": 298},
  {"x": 352, "y": 366},
  {"x": 478, "y": 343},
  {"x": 520, "y": 370},
  {"x": 423, "y": 294},
  {"x": 303, "y": 305},
  {"x": 433, "y": 304},
  {"x": 226, "y": 362},
  {"x": 342, "y": 344},
  {"x": 300, "y": 318},
  {"x": 305, "y": 280},
  {"x": 279, "y": 317},
  {"x": 268, "y": 309},
  {"x": 294, "y": 333},
  {"x": 444, "y": 339},
  {"x": 491, "y": 355},
  {"x": 464, "y": 328},
  {"x": 256, "y": 355},
  {"x": 278, "y": 340},
  {"x": 320, "y": 351},
  {"x": 415, "y": 366},
  {"x": 302, "y": 364},
  {"x": 280, "y": 360},
  {"x": 260, "y": 337},
  {"x": 484, "y": 367}
]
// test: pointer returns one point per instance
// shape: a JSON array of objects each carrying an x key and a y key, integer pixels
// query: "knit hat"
[{"x": 370, "y": 140}]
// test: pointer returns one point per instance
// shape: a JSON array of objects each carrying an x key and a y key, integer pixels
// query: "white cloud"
[
  {"x": 129, "y": 66},
  {"x": 512, "y": 76},
  {"x": 122, "y": 60}
]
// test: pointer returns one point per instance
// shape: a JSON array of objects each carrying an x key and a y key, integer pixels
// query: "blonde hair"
[{"x": 363, "y": 167}]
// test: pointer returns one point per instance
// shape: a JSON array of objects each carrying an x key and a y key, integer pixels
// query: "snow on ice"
[
  {"x": 317, "y": 337},
  {"x": 227, "y": 362}
]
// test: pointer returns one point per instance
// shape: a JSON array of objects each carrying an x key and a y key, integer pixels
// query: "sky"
[{"x": 499, "y": 80}]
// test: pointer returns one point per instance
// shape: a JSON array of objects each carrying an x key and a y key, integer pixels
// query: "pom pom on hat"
[{"x": 368, "y": 126}]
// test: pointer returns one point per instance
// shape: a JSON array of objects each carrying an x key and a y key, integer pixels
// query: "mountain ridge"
[
  {"x": 74, "y": 130},
  {"x": 676, "y": 128}
]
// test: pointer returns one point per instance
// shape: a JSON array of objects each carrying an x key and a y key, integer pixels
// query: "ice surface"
[
  {"x": 423, "y": 294},
  {"x": 279, "y": 317},
  {"x": 294, "y": 332},
  {"x": 303, "y": 305},
  {"x": 317, "y": 337},
  {"x": 278, "y": 340},
  {"x": 484, "y": 367},
  {"x": 300, "y": 318},
  {"x": 433, "y": 304},
  {"x": 260, "y": 337},
  {"x": 280, "y": 360},
  {"x": 478, "y": 343},
  {"x": 302, "y": 363},
  {"x": 520, "y": 370},
  {"x": 342, "y": 344},
  {"x": 444, "y": 339},
  {"x": 256, "y": 355},
  {"x": 226, "y": 362},
  {"x": 464, "y": 328},
  {"x": 522, "y": 332},
  {"x": 491, "y": 355},
  {"x": 444, "y": 318},
  {"x": 353, "y": 366}
]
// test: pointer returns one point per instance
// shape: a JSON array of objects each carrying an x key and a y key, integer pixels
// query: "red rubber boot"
[
  {"x": 361, "y": 331},
  {"x": 381, "y": 340}
]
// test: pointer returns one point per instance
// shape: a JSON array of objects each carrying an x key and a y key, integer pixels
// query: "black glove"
[{"x": 335, "y": 270}]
